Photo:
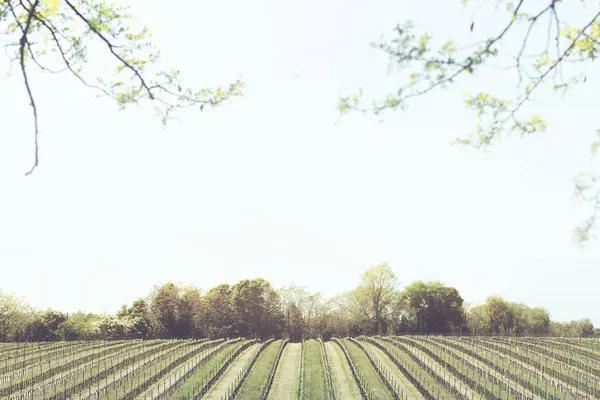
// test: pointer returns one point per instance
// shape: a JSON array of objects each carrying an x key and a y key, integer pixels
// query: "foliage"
[
  {"x": 58, "y": 36},
  {"x": 374, "y": 385},
  {"x": 378, "y": 286},
  {"x": 112, "y": 329},
  {"x": 551, "y": 63},
  {"x": 583, "y": 328},
  {"x": 217, "y": 312},
  {"x": 437, "y": 308},
  {"x": 165, "y": 302},
  {"x": 255, "y": 384},
  {"x": 426, "y": 368},
  {"x": 252, "y": 308},
  {"x": 257, "y": 308},
  {"x": 14, "y": 313},
  {"x": 499, "y": 317},
  {"x": 294, "y": 322},
  {"x": 310, "y": 310},
  {"x": 314, "y": 383}
]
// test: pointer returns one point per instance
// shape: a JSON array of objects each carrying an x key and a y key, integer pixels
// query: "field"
[{"x": 374, "y": 368}]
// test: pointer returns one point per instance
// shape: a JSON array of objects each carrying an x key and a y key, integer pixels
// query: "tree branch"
[{"x": 22, "y": 49}]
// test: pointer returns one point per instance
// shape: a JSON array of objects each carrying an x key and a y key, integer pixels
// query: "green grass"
[
  {"x": 418, "y": 373},
  {"x": 257, "y": 379},
  {"x": 407, "y": 387},
  {"x": 376, "y": 387},
  {"x": 315, "y": 385},
  {"x": 287, "y": 377},
  {"x": 205, "y": 372}
]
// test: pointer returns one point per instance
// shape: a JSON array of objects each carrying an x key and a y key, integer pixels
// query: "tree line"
[{"x": 254, "y": 308}]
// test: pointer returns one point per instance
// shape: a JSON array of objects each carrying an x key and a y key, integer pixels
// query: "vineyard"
[{"x": 377, "y": 368}]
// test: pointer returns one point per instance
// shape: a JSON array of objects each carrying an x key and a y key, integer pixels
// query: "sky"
[{"x": 269, "y": 185}]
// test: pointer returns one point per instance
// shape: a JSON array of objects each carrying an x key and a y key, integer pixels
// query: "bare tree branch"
[{"x": 22, "y": 49}]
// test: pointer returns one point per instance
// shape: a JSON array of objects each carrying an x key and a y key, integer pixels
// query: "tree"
[
  {"x": 293, "y": 299},
  {"x": 576, "y": 328},
  {"x": 164, "y": 307},
  {"x": 538, "y": 321},
  {"x": 378, "y": 285},
  {"x": 519, "y": 316},
  {"x": 54, "y": 36},
  {"x": 123, "y": 311},
  {"x": 315, "y": 310},
  {"x": 584, "y": 328},
  {"x": 524, "y": 42},
  {"x": 78, "y": 326},
  {"x": 257, "y": 307},
  {"x": 138, "y": 316},
  {"x": 477, "y": 320},
  {"x": 351, "y": 314},
  {"x": 51, "y": 323},
  {"x": 295, "y": 322},
  {"x": 14, "y": 314},
  {"x": 112, "y": 329},
  {"x": 217, "y": 315},
  {"x": 437, "y": 308},
  {"x": 310, "y": 306},
  {"x": 499, "y": 315},
  {"x": 190, "y": 306}
]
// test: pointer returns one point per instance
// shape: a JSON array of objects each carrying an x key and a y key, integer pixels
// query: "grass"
[
  {"x": 521, "y": 363},
  {"x": 343, "y": 382},
  {"x": 219, "y": 390},
  {"x": 148, "y": 370},
  {"x": 418, "y": 373},
  {"x": 285, "y": 385},
  {"x": 399, "y": 378},
  {"x": 257, "y": 379},
  {"x": 376, "y": 388},
  {"x": 315, "y": 386},
  {"x": 205, "y": 372}
]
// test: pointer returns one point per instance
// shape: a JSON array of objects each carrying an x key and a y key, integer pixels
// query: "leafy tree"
[
  {"x": 112, "y": 329},
  {"x": 352, "y": 314},
  {"x": 529, "y": 321},
  {"x": 538, "y": 321},
  {"x": 78, "y": 326},
  {"x": 14, "y": 315},
  {"x": 319, "y": 324},
  {"x": 217, "y": 314},
  {"x": 576, "y": 328},
  {"x": 190, "y": 306},
  {"x": 295, "y": 322},
  {"x": 138, "y": 328},
  {"x": 310, "y": 306},
  {"x": 477, "y": 320},
  {"x": 548, "y": 44},
  {"x": 315, "y": 313},
  {"x": 51, "y": 323},
  {"x": 499, "y": 315},
  {"x": 378, "y": 286},
  {"x": 292, "y": 300},
  {"x": 123, "y": 311},
  {"x": 138, "y": 309},
  {"x": 437, "y": 308},
  {"x": 584, "y": 328},
  {"x": 164, "y": 308},
  {"x": 518, "y": 315},
  {"x": 257, "y": 307},
  {"x": 55, "y": 36},
  {"x": 138, "y": 316}
]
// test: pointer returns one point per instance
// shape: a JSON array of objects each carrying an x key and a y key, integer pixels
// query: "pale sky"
[{"x": 268, "y": 186}]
